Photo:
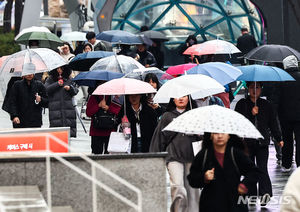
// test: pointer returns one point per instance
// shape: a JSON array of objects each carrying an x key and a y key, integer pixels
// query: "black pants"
[
  {"x": 259, "y": 155},
  {"x": 289, "y": 129},
  {"x": 99, "y": 143}
]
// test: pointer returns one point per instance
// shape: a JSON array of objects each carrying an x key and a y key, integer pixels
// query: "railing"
[{"x": 94, "y": 167}]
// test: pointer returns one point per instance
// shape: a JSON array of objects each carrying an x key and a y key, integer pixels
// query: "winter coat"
[
  {"x": 92, "y": 108},
  {"x": 22, "y": 103},
  {"x": 289, "y": 97},
  {"x": 147, "y": 58},
  {"x": 61, "y": 110},
  {"x": 266, "y": 118},
  {"x": 178, "y": 145},
  {"x": 148, "y": 122},
  {"x": 246, "y": 43},
  {"x": 221, "y": 194}
]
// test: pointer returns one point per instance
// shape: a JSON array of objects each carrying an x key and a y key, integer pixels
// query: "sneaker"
[
  {"x": 285, "y": 170},
  {"x": 265, "y": 199}
]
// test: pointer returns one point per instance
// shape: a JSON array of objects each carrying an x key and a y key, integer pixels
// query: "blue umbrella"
[
  {"x": 119, "y": 37},
  {"x": 221, "y": 72},
  {"x": 260, "y": 73},
  {"x": 89, "y": 78},
  {"x": 83, "y": 61}
]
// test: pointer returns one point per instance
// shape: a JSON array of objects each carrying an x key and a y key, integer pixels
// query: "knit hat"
[
  {"x": 28, "y": 68},
  {"x": 290, "y": 62}
]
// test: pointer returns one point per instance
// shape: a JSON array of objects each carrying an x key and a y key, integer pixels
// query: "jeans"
[
  {"x": 184, "y": 197},
  {"x": 99, "y": 144}
]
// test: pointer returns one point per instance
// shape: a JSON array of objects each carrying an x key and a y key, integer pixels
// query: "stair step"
[
  {"x": 18, "y": 198},
  {"x": 62, "y": 209}
]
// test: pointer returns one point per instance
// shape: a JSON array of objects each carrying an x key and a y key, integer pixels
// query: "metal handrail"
[{"x": 92, "y": 178}]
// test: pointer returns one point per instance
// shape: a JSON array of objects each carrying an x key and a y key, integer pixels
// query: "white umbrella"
[
  {"x": 43, "y": 59},
  {"x": 73, "y": 36},
  {"x": 214, "y": 119},
  {"x": 117, "y": 63},
  {"x": 32, "y": 29},
  {"x": 198, "y": 86}
]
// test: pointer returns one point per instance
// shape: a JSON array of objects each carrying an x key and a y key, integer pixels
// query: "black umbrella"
[
  {"x": 271, "y": 53},
  {"x": 83, "y": 61},
  {"x": 155, "y": 35}
]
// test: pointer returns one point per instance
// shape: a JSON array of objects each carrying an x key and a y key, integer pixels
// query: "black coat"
[
  {"x": 61, "y": 110},
  {"x": 178, "y": 145},
  {"x": 147, "y": 58},
  {"x": 22, "y": 103},
  {"x": 266, "y": 119},
  {"x": 289, "y": 97},
  {"x": 221, "y": 194},
  {"x": 148, "y": 122},
  {"x": 246, "y": 43}
]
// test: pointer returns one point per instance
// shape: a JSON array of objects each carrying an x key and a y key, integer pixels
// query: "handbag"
[
  {"x": 104, "y": 120},
  {"x": 117, "y": 142}
]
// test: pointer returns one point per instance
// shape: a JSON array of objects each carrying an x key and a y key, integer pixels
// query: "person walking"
[
  {"x": 179, "y": 158},
  {"x": 61, "y": 91},
  {"x": 191, "y": 40},
  {"x": 27, "y": 99},
  {"x": 66, "y": 52},
  {"x": 143, "y": 121},
  {"x": 261, "y": 113},
  {"x": 145, "y": 57},
  {"x": 100, "y": 136},
  {"x": 289, "y": 113},
  {"x": 217, "y": 169},
  {"x": 246, "y": 42}
]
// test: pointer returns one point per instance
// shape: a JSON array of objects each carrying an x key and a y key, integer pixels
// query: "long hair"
[
  {"x": 234, "y": 141},
  {"x": 171, "y": 106},
  {"x": 153, "y": 77},
  {"x": 66, "y": 73}
]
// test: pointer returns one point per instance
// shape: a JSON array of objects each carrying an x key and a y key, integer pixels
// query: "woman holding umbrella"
[
  {"x": 260, "y": 112},
  {"x": 60, "y": 93},
  {"x": 180, "y": 156},
  {"x": 217, "y": 169}
]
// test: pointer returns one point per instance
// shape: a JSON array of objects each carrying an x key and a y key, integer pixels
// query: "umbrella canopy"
[
  {"x": 212, "y": 47},
  {"x": 73, "y": 36},
  {"x": 222, "y": 72},
  {"x": 119, "y": 37},
  {"x": 117, "y": 63},
  {"x": 271, "y": 53},
  {"x": 46, "y": 39},
  {"x": 155, "y": 35},
  {"x": 214, "y": 119},
  {"x": 32, "y": 29},
  {"x": 142, "y": 72},
  {"x": 83, "y": 61},
  {"x": 180, "y": 69},
  {"x": 198, "y": 86},
  {"x": 263, "y": 73},
  {"x": 90, "y": 78},
  {"x": 124, "y": 86},
  {"x": 2, "y": 59}
]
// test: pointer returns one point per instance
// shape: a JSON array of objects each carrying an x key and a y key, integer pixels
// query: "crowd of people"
[{"x": 223, "y": 159}]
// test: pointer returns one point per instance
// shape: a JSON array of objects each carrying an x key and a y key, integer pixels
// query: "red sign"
[{"x": 35, "y": 140}]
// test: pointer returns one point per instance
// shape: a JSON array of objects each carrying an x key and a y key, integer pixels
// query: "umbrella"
[
  {"x": 124, "y": 86},
  {"x": 214, "y": 119},
  {"x": 180, "y": 69},
  {"x": 73, "y": 36},
  {"x": 43, "y": 59},
  {"x": 83, "y": 61},
  {"x": 32, "y": 29},
  {"x": 271, "y": 53},
  {"x": 2, "y": 59},
  {"x": 199, "y": 86},
  {"x": 46, "y": 39},
  {"x": 117, "y": 63},
  {"x": 119, "y": 37},
  {"x": 212, "y": 47},
  {"x": 263, "y": 73},
  {"x": 155, "y": 35},
  {"x": 142, "y": 72},
  {"x": 89, "y": 78},
  {"x": 222, "y": 72}
]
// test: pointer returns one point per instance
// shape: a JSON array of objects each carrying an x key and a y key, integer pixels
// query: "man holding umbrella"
[{"x": 27, "y": 99}]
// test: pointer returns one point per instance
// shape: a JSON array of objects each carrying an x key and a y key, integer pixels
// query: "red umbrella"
[{"x": 180, "y": 69}]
